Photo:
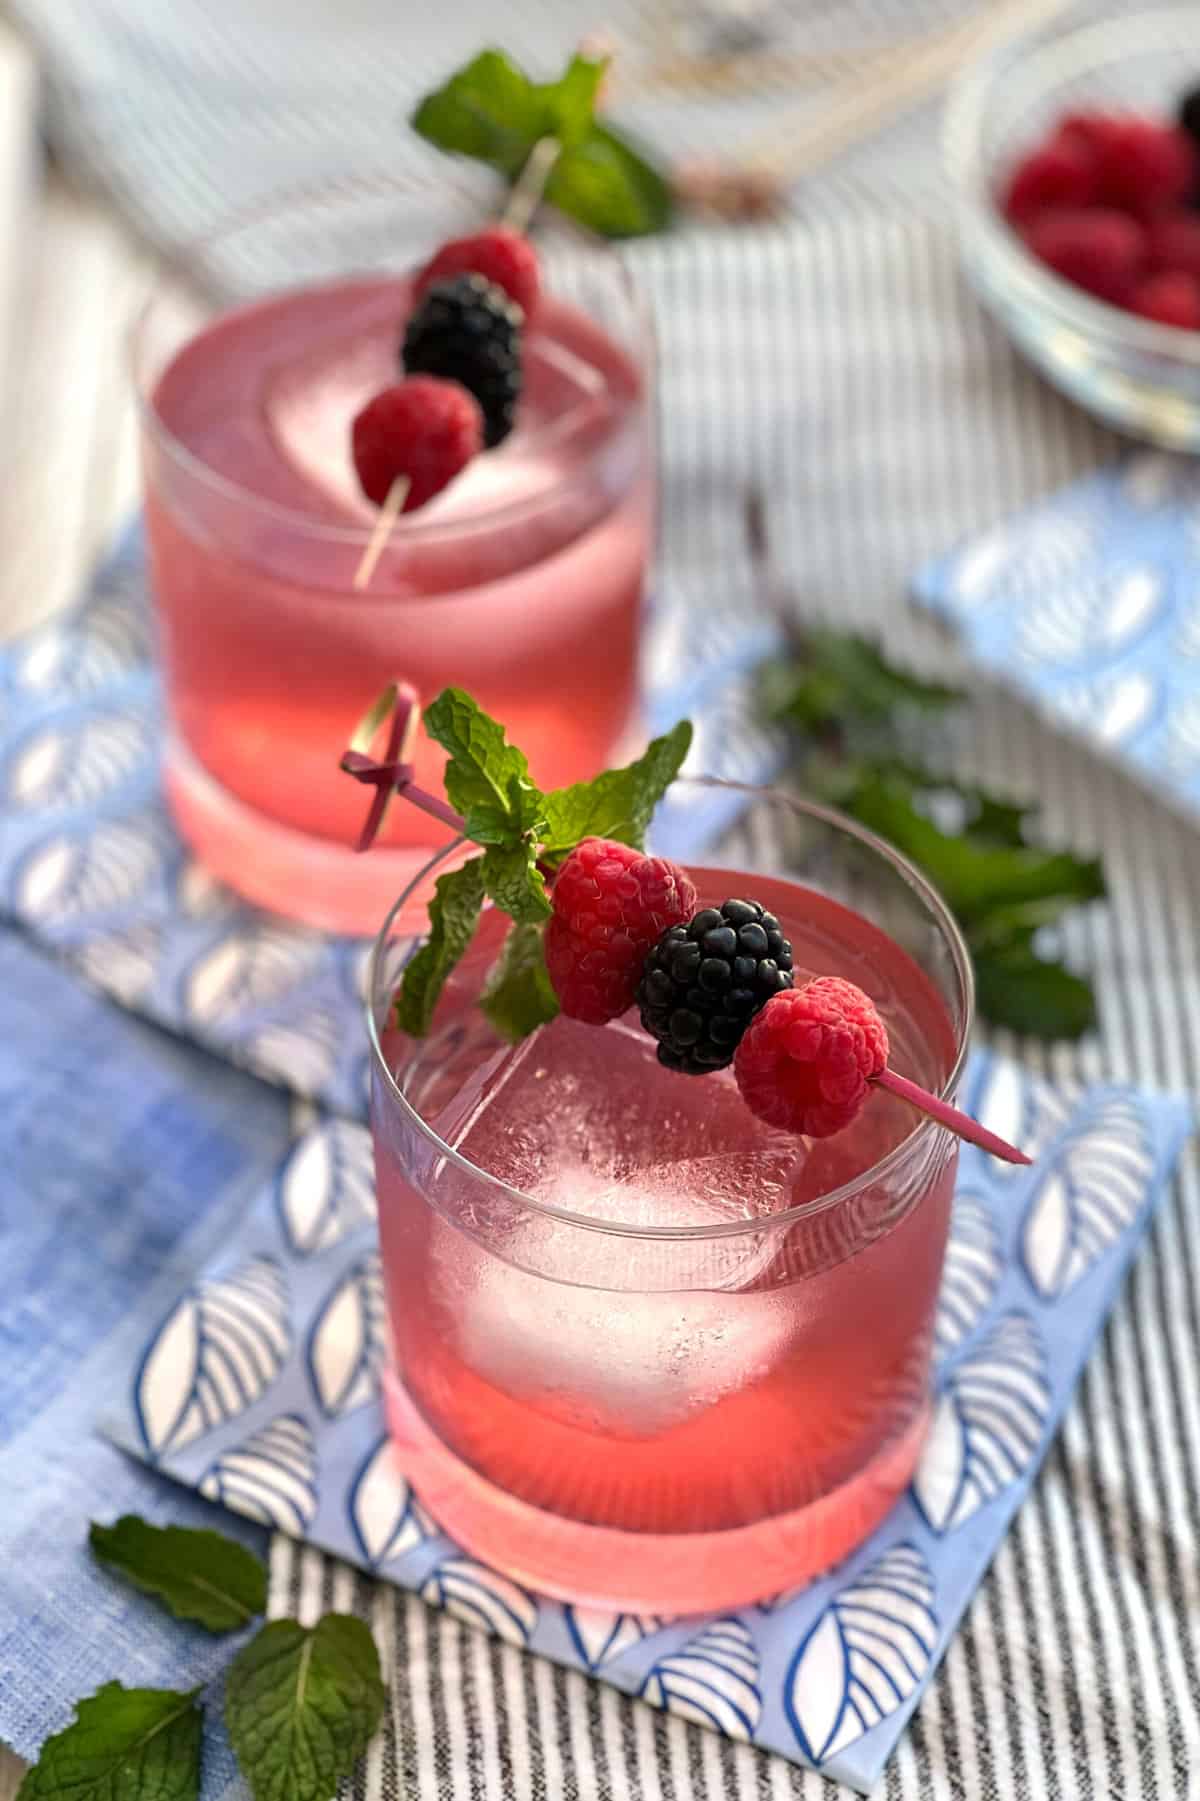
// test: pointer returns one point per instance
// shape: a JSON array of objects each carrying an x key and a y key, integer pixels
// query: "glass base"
[
  {"x": 307, "y": 879},
  {"x": 645, "y": 1572}
]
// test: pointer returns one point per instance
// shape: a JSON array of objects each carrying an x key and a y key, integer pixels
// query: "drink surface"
[
  {"x": 667, "y": 1387},
  {"x": 522, "y": 582}
]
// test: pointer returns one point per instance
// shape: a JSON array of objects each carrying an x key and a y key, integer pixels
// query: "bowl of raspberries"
[{"x": 1075, "y": 156}]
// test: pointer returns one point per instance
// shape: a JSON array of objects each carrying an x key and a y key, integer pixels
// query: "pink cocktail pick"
[{"x": 961, "y": 1124}]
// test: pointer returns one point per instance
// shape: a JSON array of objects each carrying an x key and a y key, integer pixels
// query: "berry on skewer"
[{"x": 409, "y": 443}]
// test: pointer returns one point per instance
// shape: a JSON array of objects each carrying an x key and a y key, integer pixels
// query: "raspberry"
[
  {"x": 469, "y": 331},
  {"x": 502, "y": 257},
  {"x": 1175, "y": 244},
  {"x": 610, "y": 904},
  {"x": 805, "y": 1062},
  {"x": 425, "y": 429},
  {"x": 1170, "y": 299},
  {"x": 1143, "y": 167},
  {"x": 703, "y": 983},
  {"x": 1060, "y": 173},
  {"x": 1100, "y": 250}
]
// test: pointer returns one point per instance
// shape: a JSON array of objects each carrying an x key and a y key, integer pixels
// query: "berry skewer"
[{"x": 408, "y": 443}]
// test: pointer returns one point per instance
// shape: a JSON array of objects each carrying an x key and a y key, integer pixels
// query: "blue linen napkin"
[
  {"x": 828, "y": 1675},
  {"x": 93, "y": 866},
  {"x": 1089, "y": 605},
  {"x": 127, "y": 1157}
]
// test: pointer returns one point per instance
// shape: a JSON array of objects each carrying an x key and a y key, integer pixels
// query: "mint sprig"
[
  {"x": 302, "y": 1704},
  {"x": 197, "y": 1574},
  {"x": 524, "y": 834},
  {"x": 124, "y": 1744},
  {"x": 492, "y": 111}
]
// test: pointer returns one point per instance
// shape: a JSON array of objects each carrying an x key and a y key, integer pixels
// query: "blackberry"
[
  {"x": 1189, "y": 113},
  {"x": 703, "y": 983},
  {"x": 469, "y": 331}
]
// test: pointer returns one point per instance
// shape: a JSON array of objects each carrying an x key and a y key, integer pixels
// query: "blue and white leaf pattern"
[
  {"x": 598, "y": 1637},
  {"x": 482, "y": 1597},
  {"x": 327, "y": 1186},
  {"x": 1182, "y": 748},
  {"x": 1088, "y": 1194},
  {"x": 272, "y": 1477},
  {"x": 248, "y": 966},
  {"x": 1093, "y": 619},
  {"x": 970, "y": 1275},
  {"x": 123, "y": 963},
  {"x": 65, "y": 878},
  {"x": 75, "y": 763},
  {"x": 199, "y": 895},
  {"x": 1114, "y": 708},
  {"x": 865, "y": 1656},
  {"x": 82, "y": 658},
  {"x": 1027, "y": 1114},
  {"x": 300, "y": 1054},
  {"x": 386, "y": 1518},
  {"x": 1186, "y": 642},
  {"x": 1037, "y": 556},
  {"x": 712, "y": 1679},
  {"x": 348, "y": 1340},
  {"x": 987, "y": 1425},
  {"x": 219, "y": 1349}
]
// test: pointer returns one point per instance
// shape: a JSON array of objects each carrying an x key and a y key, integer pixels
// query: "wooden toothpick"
[
  {"x": 389, "y": 512},
  {"x": 527, "y": 193}
]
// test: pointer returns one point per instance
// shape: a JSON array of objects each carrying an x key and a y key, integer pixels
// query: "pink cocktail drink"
[
  {"x": 649, "y": 1352},
  {"x": 522, "y": 581}
]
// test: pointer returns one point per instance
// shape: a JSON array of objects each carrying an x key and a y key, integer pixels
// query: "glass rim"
[
  {"x": 187, "y": 260},
  {"x": 788, "y": 1216},
  {"x": 1037, "y": 56}
]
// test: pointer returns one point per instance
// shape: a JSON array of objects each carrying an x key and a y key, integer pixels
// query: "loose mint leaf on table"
[
  {"x": 618, "y": 804},
  {"x": 197, "y": 1574},
  {"x": 491, "y": 111},
  {"x": 518, "y": 996},
  {"x": 453, "y": 915},
  {"x": 302, "y": 1704},
  {"x": 124, "y": 1744},
  {"x": 841, "y": 678},
  {"x": 1017, "y": 988}
]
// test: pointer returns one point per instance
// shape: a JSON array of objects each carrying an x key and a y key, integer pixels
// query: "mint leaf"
[
  {"x": 197, "y": 1574},
  {"x": 618, "y": 804},
  {"x": 610, "y": 187},
  {"x": 841, "y": 679},
  {"x": 487, "y": 779},
  {"x": 489, "y": 110},
  {"x": 518, "y": 996},
  {"x": 974, "y": 879},
  {"x": 453, "y": 915},
  {"x": 514, "y": 881},
  {"x": 302, "y": 1704},
  {"x": 492, "y": 111},
  {"x": 1030, "y": 994},
  {"x": 124, "y": 1744}
]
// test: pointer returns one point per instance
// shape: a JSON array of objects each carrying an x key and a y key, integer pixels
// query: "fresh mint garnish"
[
  {"x": 618, "y": 804},
  {"x": 197, "y": 1574},
  {"x": 301, "y": 1705},
  {"x": 490, "y": 110},
  {"x": 453, "y": 915},
  {"x": 518, "y": 996},
  {"x": 124, "y": 1744},
  {"x": 524, "y": 834},
  {"x": 514, "y": 881}
]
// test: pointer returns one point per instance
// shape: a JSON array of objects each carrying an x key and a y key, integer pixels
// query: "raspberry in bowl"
[
  {"x": 1077, "y": 171},
  {"x": 282, "y": 388}
]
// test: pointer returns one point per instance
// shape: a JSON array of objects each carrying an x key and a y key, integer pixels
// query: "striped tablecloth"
[{"x": 845, "y": 369}]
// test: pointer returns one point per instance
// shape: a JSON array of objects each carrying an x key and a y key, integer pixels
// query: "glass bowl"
[{"x": 1141, "y": 377}]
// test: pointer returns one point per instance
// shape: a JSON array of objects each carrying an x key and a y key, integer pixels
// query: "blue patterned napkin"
[
  {"x": 1089, "y": 604},
  {"x": 94, "y": 867},
  {"x": 258, "y": 1385}
]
